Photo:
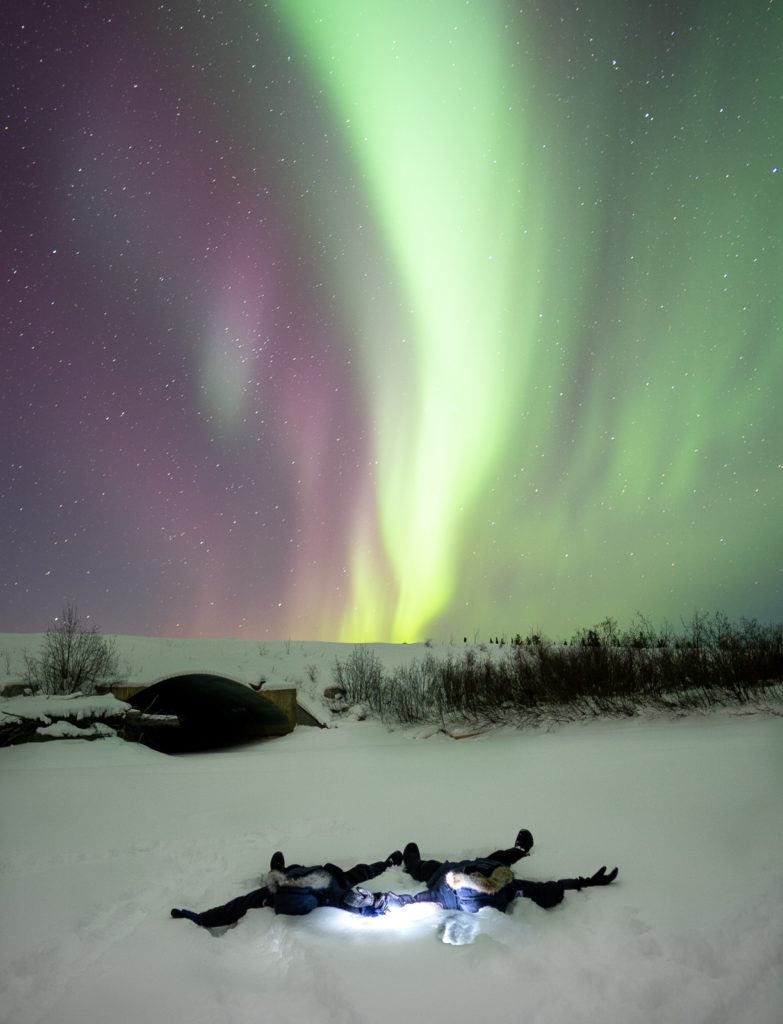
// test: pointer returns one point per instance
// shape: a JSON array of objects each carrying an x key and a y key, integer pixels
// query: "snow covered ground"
[
  {"x": 99, "y": 839},
  {"x": 306, "y": 665}
]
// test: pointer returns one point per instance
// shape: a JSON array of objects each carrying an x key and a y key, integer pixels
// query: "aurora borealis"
[{"x": 379, "y": 321}]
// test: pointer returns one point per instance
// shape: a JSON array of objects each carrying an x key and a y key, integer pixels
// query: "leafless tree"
[{"x": 74, "y": 657}]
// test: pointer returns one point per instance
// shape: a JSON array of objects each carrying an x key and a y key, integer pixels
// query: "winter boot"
[
  {"x": 410, "y": 855},
  {"x": 524, "y": 841},
  {"x": 277, "y": 863}
]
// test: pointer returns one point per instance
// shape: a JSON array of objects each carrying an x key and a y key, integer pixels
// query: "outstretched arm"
[
  {"x": 364, "y": 872},
  {"x": 543, "y": 894},
  {"x": 229, "y": 913},
  {"x": 373, "y": 904},
  {"x": 599, "y": 878},
  {"x": 549, "y": 894}
]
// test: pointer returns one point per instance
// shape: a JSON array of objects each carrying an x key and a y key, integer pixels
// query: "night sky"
[{"x": 388, "y": 319}]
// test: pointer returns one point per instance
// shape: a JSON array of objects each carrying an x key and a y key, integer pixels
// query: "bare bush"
[
  {"x": 601, "y": 672},
  {"x": 74, "y": 658},
  {"x": 360, "y": 676}
]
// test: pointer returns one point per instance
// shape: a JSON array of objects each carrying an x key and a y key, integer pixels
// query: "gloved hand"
[
  {"x": 372, "y": 904},
  {"x": 401, "y": 899},
  {"x": 358, "y": 898},
  {"x": 599, "y": 878},
  {"x": 394, "y": 859}
]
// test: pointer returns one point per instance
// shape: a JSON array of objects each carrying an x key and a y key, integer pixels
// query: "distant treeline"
[{"x": 600, "y": 671}]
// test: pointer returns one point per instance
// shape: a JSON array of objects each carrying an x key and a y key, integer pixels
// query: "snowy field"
[{"x": 98, "y": 840}]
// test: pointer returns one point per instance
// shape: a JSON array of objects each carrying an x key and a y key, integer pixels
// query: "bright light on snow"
[{"x": 398, "y": 924}]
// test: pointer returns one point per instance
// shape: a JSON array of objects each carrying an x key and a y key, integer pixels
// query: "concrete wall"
[
  {"x": 285, "y": 700},
  {"x": 122, "y": 691}
]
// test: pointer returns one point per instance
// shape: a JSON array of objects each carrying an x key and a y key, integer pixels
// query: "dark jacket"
[
  {"x": 471, "y": 885},
  {"x": 298, "y": 890}
]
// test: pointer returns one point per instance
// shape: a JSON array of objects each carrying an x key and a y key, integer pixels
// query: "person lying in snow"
[
  {"x": 298, "y": 890},
  {"x": 488, "y": 881}
]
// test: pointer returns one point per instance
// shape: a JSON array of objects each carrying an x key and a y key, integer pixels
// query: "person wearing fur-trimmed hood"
[
  {"x": 297, "y": 889},
  {"x": 470, "y": 885}
]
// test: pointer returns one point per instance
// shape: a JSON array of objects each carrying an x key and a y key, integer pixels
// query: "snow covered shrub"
[
  {"x": 729, "y": 660},
  {"x": 74, "y": 658},
  {"x": 412, "y": 693},
  {"x": 360, "y": 676},
  {"x": 603, "y": 671}
]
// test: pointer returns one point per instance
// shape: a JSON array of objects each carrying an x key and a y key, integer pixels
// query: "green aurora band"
[
  {"x": 430, "y": 118},
  {"x": 570, "y": 364}
]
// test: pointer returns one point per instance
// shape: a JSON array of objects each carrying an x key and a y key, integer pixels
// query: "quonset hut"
[{"x": 210, "y": 711}]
